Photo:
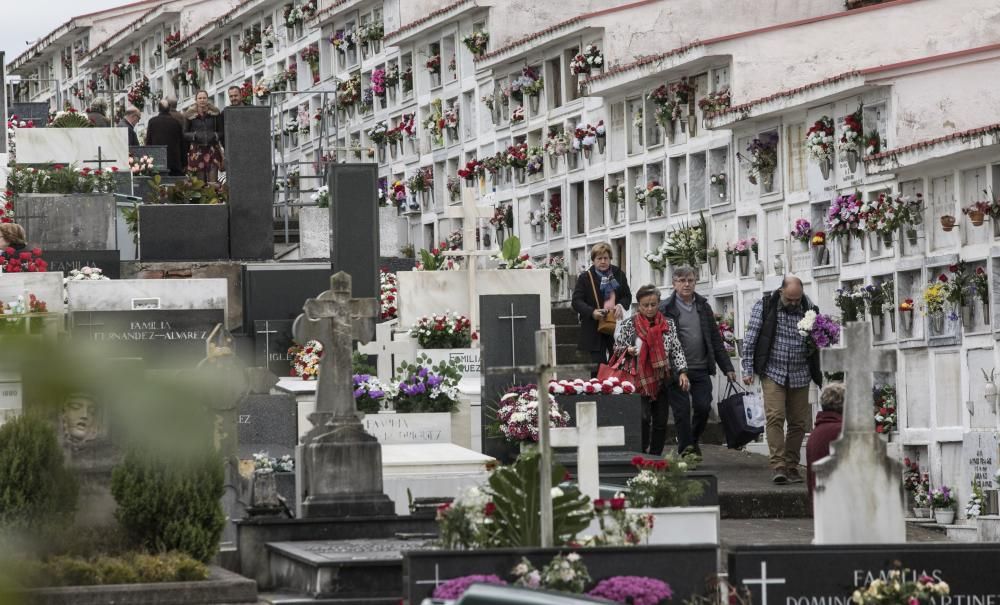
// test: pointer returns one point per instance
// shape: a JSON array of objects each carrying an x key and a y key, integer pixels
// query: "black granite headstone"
[
  {"x": 268, "y": 423},
  {"x": 504, "y": 348},
  {"x": 108, "y": 261},
  {"x": 355, "y": 236},
  {"x": 35, "y": 112},
  {"x": 829, "y": 574},
  {"x": 248, "y": 172},
  {"x": 164, "y": 338},
  {"x": 272, "y": 338},
  {"x": 612, "y": 410},
  {"x": 157, "y": 153},
  {"x": 684, "y": 568},
  {"x": 170, "y": 232},
  {"x": 278, "y": 290}
]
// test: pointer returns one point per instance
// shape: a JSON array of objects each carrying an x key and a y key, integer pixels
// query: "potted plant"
[
  {"x": 922, "y": 502},
  {"x": 943, "y": 503},
  {"x": 843, "y": 221},
  {"x": 661, "y": 489},
  {"x": 820, "y": 254},
  {"x": 977, "y": 213},
  {"x": 947, "y": 222}
]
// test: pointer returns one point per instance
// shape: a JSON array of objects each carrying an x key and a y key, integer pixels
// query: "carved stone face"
[{"x": 80, "y": 421}]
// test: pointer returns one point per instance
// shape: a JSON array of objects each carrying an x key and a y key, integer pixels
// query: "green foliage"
[
  {"x": 360, "y": 365},
  {"x": 688, "y": 245},
  {"x": 516, "y": 495},
  {"x": 511, "y": 249},
  {"x": 440, "y": 398},
  {"x": 36, "y": 489},
  {"x": 132, "y": 568},
  {"x": 663, "y": 483},
  {"x": 131, "y": 216},
  {"x": 171, "y": 504},
  {"x": 71, "y": 119},
  {"x": 191, "y": 190}
]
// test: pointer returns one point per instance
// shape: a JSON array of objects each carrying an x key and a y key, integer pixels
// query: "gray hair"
[
  {"x": 684, "y": 271},
  {"x": 99, "y": 104},
  {"x": 132, "y": 110},
  {"x": 172, "y": 102},
  {"x": 832, "y": 398},
  {"x": 790, "y": 277}
]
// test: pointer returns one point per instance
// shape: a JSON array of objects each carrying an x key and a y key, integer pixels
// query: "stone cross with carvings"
[
  {"x": 586, "y": 437},
  {"x": 859, "y": 495},
  {"x": 335, "y": 320}
]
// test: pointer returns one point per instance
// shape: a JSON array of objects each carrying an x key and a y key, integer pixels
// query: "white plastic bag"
[{"x": 753, "y": 407}]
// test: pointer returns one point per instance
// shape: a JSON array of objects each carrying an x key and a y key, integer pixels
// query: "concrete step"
[
  {"x": 564, "y": 316},
  {"x": 275, "y": 598},
  {"x": 340, "y": 569},
  {"x": 570, "y": 354}
]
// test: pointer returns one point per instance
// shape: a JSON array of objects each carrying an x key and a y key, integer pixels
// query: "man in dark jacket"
[
  {"x": 703, "y": 348},
  {"x": 591, "y": 300},
  {"x": 163, "y": 129},
  {"x": 828, "y": 426},
  {"x": 130, "y": 119},
  {"x": 774, "y": 350}
]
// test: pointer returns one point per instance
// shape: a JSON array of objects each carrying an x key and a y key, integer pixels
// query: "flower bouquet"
[
  {"x": 726, "y": 332},
  {"x": 885, "y": 408},
  {"x": 819, "y": 331},
  {"x": 762, "y": 161},
  {"x": 264, "y": 463},
  {"x": 662, "y": 483},
  {"x": 844, "y": 220},
  {"x": 591, "y": 59},
  {"x": 802, "y": 232},
  {"x": 306, "y": 358},
  {"x": 654, "y": 194},
  {"x": 518, "y": 414},
  {"x": 445, "y": 331},
  {"x": 896, "y": 588},
  {"x": 851, "y": 136},
  {"x": 368, "y": 393},
  {"x": 389, "y": 291},
  {"x": 422, "y": 387},
  {"x": 943, "y": 502},
  {"x": 12, "y": 261},
  {"x": 476, "y": 43},
  {"x": 820, "y": 143}
]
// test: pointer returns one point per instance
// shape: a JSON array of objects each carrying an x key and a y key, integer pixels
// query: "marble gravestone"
[
  {"x": 980, "y": 453},
  {"x": 80, "y": 146},
  {"x": 249, "y": 174},
  {"x": 507, "y": 335},
  {"x": 79, "y": 221},
  {"x": 858, "y": 474},
  {"x": 47, "y": 287},
  {"x": 64, "y": 261},
  {"x": 273, "y": 291}
]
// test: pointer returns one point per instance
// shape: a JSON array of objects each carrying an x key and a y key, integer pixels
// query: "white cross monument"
[
  {"x": 470, "y": 213},
  {"x": 586, "y": 437}
]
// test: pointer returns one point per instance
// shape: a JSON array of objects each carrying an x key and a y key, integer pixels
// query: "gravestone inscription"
[
  {"x": 272, "y": 339},
  {"x": 164, "y": 338},
  {"x": 267, "y": 423},
  {"x": 64, "y": 261},
  {"x": 980, "y": 451}
]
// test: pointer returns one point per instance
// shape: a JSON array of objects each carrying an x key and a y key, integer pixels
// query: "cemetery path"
[{"x": 746, "y": 489}]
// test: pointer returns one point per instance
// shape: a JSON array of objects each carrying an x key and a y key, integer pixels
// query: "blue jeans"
[{"x": 698, "y": 399}]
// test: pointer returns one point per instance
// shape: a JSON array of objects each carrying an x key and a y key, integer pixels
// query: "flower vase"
[
  {"x": 986, "y": 312},
  {"x": 601, "y": 142},
  {"x": 381, "y": 154},
  {"x": 947, "y": 222},
  {"x": 921, "y": 512},
  {"x": 906, "y": 319},
  {"x": 425, "y": 198},
  {"x": 944, "y": 516},
  {"x": 730, "y": 261},
  {"x": 804, "y": 244},
  {"x": 376, "y": 46},
  {"x": 937, "y": 322},
  {"x": 892, "y": 321},
  {"x": 692, "y": 121},
  {"x": 392, "y": 94},
  {"x": 586, "y": 152},
  {"x": 572, "y": 158},
  {"x": 553, "y": 162},
  {"x": 350, "y": 111},
  {"x": 453, "y": 133},
  {"x": 845, "y": 246},
  {"x": 852, "y": 160},
  {"x": 878, "y": 326},
  {"x": 825, "y": 166},
  {"x": 766, "y": 182},
  {"x": 911, "y": 236},
  {"x": 820, "y": 256},
  {"x": 873, "y": 238},
  {"x": 482, "y": 183},
  {"x": 968, "y": 316},
  {"x": 393, "y": 150},
  {"x": 713, "y": 265},
  {"x": 668, "y": 132},
  {"x": 887, "y": 240},
  {"x": 435, "y": 79},
  {"x": 744, "y": 265},
  {"x": 500, "y": 236},
  {"x": 996, "y": 226},
  {"x": 533, "y": 102},
  {"x": 519, "y": 175}
]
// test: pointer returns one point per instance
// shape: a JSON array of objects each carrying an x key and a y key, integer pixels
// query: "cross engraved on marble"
[
  {"x": 101, "y": 160},
  {"x": 858, "y": 475},
  {"x": 335, "y": 320},
  {"x": 267, "y": 331},
  {"x": 763, "y": 581},
  {"x": 586, "y": 437},
  {"x": 437, "y": 581},
  {"x": 513, "y": 342}
]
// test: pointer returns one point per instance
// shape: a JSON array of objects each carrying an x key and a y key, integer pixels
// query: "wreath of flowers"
[{"x": 609, "y": 386}]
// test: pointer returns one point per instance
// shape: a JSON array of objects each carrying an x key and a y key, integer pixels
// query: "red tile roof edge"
[
  {"x": 561, "y": 25},
  {"x": 992, "y": 128},
  {"x": 742, "y": 107},
  {"x": 760, "y": 30},
  {"x": 328, "y": 10},
  {"x": 431, "y": 15}
]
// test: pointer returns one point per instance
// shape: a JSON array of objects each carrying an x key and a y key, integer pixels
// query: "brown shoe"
[
  {"x": 793, "y": 475},
  {"x": 779, "y": 476}
]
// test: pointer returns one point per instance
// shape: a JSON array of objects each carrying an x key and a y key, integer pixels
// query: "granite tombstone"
[
  {"x": 272, "y": 340},
  {"x": 354, "y": 247},
  {"x": 164, "y": 338},
  {"x": 64, "y": 261},
  {"x": 249, "y": 174},
  {"x": 273, "y": 291}
]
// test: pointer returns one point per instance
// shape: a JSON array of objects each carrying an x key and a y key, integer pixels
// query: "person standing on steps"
[
  {"x": 774, "y": 350},
  {"x": 829, "y": 423},
  {"x": 652, "y": 339},
  {"x": 703, "y": 348},
  {"x": 600, "y": 292}
]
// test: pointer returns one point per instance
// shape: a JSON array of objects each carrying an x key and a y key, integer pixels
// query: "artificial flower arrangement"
[
  {"x": 727, "y": 332},
  {"x": 663, "y": 482},
  {"x": 398, "y": 195},
  {"x": 452, "y": 64},
  {"x": 818, "y": 239},
  {"x": 762, "y": 158},
  {"x": 873, "y": 143},
  {"x": 885, "y": 408},
  {"x": 740, "y": 247},
  {"x": 536, "y": 161},
  {"x": 619, "y": 526},
  {"x": 503, "y": 217},
  {"x": 264, "y": 463},
  {"x": 557, "y": 143},
  {"x": 657, "y": 258},
  {"x": 16, "y": 314},
  {"x": 433, "y": 64},
  {"x": 819, "y": 331},
  {"x": 913, "y": 479},
  {"x": 141, "y": 166},
  {"x": 887, "y": 214},
  {"x": 454, "y": 187},
  {"x": 476, "y": 42},
  {"x": 820, "y": 140},
  {"x": 451, "y": 117},
  {"x": 138, "y": 92},
  {"x": 378, "y": 133},
  {"x": 851, "y": 302},
  {"x": 511, "y": 257},
  {"x": 609, "y": 386},
  {"x": 851, "y": 133},
  {"x": 557, "y": 269},
  {"x": 957, "y": 289},
  {"x": 845, "y": 216},
  {"x": 934, "y": 297},
  {"x": 388, "y": 294},
  {"x": 717, "y": 101},
  {"x": 445, "y": 331},
  {"x": 553, "y": 214},
  {"x": 12, "y": 261},
  {"x": 653, "y": 193},
  {"x": 421, "y": 180},
  {"x": 587, "y": 61},
  {"x": 517, "y": 414},
  {"x": 517, "y": 156},
  {"x": 517, "y": 116},
  {"x": 667, "y": 107},
  {"x": 974, "y": 508},
  {"x": 942, "y": 498},
  {"x": 422, "y": 387},
  {"x": 802, "y": 231},
  {"x": 895, "y": 587},
  {"x": 529, "y": 83},
  {"x": 454, "y": 240},
  {"x": 305, "y": 360},
  {"x": 435, "y": 260},
  {"x": 473, "y": 169}
]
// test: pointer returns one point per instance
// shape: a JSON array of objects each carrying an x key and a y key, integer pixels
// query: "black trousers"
[{"x": 698, "y": 400}]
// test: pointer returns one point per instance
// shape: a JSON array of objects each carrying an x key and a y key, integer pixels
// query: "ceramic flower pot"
[
  {"x": 744, "y": 265},
  {"x": 944, "y": 516},
  {"x": 921, "y": 512},
  {"x": 977, "y": 217},
  {"x": 852, "y": 160},
  {"x": 825, "y": 167},
  {"x": 947, "y": 222},
  {"x": 937, "y": 322},
  {"x": 601, "y": 142}
]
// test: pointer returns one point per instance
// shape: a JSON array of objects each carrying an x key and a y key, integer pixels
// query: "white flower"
[
  {"x": 572, "y": 557},
  {"x": 556, "y": 492}
]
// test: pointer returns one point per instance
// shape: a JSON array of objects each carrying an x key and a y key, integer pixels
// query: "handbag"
[
  {"x": 607, "y": 324},
  {"x": 738, "y": 414},
  {"x": 621, "y": 366}
]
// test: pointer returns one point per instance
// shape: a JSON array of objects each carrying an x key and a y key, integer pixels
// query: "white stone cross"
[
  {"x": 385, "y": 348},
  {"x": 470, "y": 213},
  {"x": 763, "y": 581},
  {"x": 586, "y": 437},
  {"x": 437, "y": 581},
  {"x": 858, "y": 475}
]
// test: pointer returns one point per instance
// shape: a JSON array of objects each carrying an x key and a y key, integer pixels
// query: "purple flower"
[
  {"x": 456, "y": 587},
  {"x": 639, "y": 590},
  {"x": 433, "y": 381},
  {"x": 359, "y": 392},
  {"x": 423, "y": 372}
]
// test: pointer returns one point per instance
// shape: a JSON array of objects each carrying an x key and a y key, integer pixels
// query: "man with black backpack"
[{"x": 774, "y": 350}]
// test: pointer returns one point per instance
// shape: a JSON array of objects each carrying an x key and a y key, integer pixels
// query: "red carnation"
[
  {"x": 36, "y": 251},
  {"x": 943, "y": 278},
  {"x": 599, "y": 504},
  {"x": 953, "y": 268},
  {"x": 489, "y": 509},
  {"x": 617, "y": 503},
  {"x": 637, "y": 461}
]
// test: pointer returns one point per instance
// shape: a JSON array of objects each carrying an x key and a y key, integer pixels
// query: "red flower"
[
  {"x": 980, "y": 271},
  {"x": 660, "y": 465},
  {"x": 36, "y": 251},
  {"x": 25, "y": 256},
  {"x": 617, "y": 503},
  {"x": 57, "y": 167},
  {"x": 10, "y": 251},
  {"x": 444, "y": 507},
  {"x": 599, "y": 504},
  {"x": 879, "y": 429},
  {"x": 489, "y": 509},
  {"x": 637, "y": 461},
  {"x": 953, "y": 268},
  {"x": 943, "y": 278}
]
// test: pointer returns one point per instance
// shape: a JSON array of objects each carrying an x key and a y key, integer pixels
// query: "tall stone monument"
[
  {"x": 341, "y": 464},
  {"x": 859, "y": 492},
  {"x": 249, "y": 170}
]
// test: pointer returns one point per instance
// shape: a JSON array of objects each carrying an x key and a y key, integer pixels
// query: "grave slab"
[
  {"x": 276, "y": 290},
  {"x": 78, "y": 221},
  {"x": 249, "y": 174},
  {"x": 612, "y": 410},
  {"x": 428, "y": 292},
  {"x": 138, "y": 294},
  {"x": 73, "y": 146},
  {"x": 64, "y": 261},
  {"x": 430, "y": 470},
  {"x": 267, "y": 423},
  {"x": 158, "y": 153},
  {"x": 170, "y": 232},
  {"x": 272, "y": 339}
]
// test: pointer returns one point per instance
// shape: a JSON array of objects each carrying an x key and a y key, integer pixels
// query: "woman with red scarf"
[{"x": 653, "y": 339}]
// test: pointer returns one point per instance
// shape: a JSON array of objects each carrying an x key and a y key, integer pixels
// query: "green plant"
[
  {"x": 423, "y": 387},
  {"x": 71, "y": 119},
  {"x": 192, "y": 190},
  {"x": 36, "y": 489},
  {"x": 166, "y": 504},
  {"x": 688, "y": 245},
  {"x": 516, "y": 496},
  {"x": 662, "y": 483},
  {"x": 130, "y": 568},
  {"x": 131, "y": 216},
  {"x": 407, "y": 250}
]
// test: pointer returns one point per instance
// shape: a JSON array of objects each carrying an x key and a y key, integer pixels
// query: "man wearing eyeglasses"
[{"x": 702, "y": 344}]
